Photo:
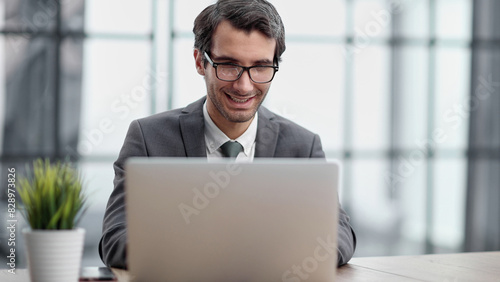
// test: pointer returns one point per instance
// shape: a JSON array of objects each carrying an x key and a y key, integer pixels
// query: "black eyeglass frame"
[{"x": 215, "y": 65}]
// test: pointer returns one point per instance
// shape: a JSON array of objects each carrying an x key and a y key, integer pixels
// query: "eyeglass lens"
[{"x": 258, "y": 74}]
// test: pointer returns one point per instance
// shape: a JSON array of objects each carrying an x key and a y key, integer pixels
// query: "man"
[{"x": 238, "y": 45}]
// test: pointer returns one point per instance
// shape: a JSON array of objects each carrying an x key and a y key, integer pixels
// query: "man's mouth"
[{"x": 237, "y": 100}]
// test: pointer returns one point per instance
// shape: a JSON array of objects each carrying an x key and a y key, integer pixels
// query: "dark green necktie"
[{"x": 231, "y": 149}]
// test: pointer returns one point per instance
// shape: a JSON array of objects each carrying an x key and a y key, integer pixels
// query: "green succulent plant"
[{"x": 52, "y": 198}]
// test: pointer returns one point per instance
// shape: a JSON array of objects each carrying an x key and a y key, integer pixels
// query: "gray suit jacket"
[{"x": 180, "y": 133}]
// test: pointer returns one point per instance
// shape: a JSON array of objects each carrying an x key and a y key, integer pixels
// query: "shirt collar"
[{"x": 214, "y": 137}]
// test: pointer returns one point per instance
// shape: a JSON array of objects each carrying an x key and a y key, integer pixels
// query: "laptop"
[{"x": 268, "y": 220}]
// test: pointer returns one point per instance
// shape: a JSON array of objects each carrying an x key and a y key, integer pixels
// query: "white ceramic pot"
[{"x": 54, "y": 255}]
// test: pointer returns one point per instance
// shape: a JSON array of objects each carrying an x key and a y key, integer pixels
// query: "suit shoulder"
[
  {"x": 286, "y": 124},
  {"x": 161, "y": 118},
  {"x": 293, "y": 140},
  {"x": 171, "y": 117}
]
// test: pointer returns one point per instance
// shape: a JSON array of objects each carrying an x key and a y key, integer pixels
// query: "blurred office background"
[{"x": 405, "y": 93}]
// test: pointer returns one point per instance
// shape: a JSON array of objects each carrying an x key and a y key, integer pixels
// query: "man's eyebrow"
[
  {"x": 263, "y": 62},
  {"x": 224, "y": 58},
  {"x": 235, "y": 61}
]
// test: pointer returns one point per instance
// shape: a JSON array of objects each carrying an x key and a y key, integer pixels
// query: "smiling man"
[
  {"x": 235, "y": 93},
  {"x": 238, "y": 47}
]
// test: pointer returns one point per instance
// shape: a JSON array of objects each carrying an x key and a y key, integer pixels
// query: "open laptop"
[{"x": 194, "y": 220}]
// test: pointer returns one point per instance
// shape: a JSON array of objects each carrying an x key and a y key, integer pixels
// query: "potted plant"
[{"x": 52, "y": 203}]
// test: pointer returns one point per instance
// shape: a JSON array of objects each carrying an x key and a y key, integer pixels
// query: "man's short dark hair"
[{"x": 247, "y": 15}]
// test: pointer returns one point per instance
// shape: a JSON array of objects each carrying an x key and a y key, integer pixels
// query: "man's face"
[{"x": 238, "y": 101}]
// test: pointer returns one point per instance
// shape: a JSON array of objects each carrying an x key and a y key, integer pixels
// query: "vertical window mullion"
[
  {"x": 154, "y": 50},
  {"x": 170, "y": 56},
  {"x": 429, "y": 245},
  {"x": 57, "y": 35},
  {"x": 348, "y": 106}
]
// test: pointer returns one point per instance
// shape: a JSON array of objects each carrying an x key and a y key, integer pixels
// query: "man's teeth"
[{"x": 238, "y": 100}]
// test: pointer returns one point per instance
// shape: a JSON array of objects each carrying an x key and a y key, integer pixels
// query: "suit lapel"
[
  {"x": 192, "y": 126},
  {"x": 267, "y": 134}
]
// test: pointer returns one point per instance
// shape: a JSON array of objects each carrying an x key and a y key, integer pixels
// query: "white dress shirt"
[{"x": 214, "y": 138}]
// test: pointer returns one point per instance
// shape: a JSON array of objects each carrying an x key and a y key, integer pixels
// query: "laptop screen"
[{"x": 269, "y": 220}]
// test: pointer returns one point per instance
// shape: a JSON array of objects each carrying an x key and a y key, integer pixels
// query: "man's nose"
[{"x": 244, "y": 84}]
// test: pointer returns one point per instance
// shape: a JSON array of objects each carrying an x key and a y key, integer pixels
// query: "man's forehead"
[{"x": 230, "y": 41}]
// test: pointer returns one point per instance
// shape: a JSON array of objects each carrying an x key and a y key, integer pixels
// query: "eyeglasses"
[{"x": 231, "y": 72}]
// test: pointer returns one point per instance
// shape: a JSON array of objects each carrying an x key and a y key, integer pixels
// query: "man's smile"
[{"x": 239, "y": 100}]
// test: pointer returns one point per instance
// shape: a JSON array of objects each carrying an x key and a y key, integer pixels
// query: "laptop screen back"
[{"x": 269, "y": 220}]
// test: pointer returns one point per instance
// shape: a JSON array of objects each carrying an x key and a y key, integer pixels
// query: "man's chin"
[
  {"x": 240, "y": 117},
  {"x": 240, "y": 120}
]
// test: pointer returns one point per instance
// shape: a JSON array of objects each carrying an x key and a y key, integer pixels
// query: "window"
[{"x": 388, "y": 76}]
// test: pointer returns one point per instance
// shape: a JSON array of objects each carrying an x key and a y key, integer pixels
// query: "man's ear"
[{"x": 200, "y": 65}]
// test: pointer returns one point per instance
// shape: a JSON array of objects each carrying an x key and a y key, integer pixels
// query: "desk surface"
[{"x": 443, "y": 268}]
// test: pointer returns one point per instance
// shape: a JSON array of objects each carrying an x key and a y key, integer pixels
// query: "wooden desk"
[
  {"x": 443, "y": 268},
  {"x": 440, "y": 268}
]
